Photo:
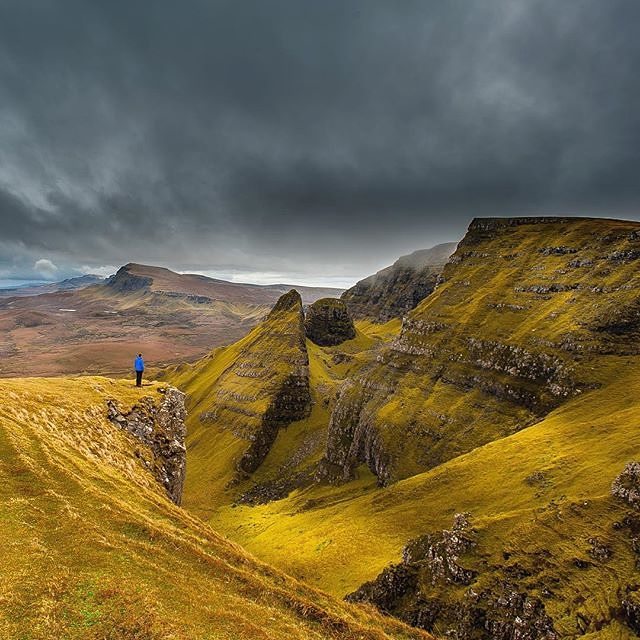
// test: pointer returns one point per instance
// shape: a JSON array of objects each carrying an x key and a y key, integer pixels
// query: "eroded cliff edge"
[{"x": 160, "y": 427}]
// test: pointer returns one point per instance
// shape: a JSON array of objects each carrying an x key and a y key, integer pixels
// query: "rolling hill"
[
  {"x": 93, "y": 548},
  {"x": 171, "y": 317},
  {"x": 482, "y": 436}
]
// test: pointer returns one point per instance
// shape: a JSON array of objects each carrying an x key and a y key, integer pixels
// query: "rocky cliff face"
[
  {"x": 245, "y": 396},
  {"x": 124, "y": 281},
  {"x": 526, "y": 308},
  {"x": 396, "y": 290},
  {"x": 328, "y": 323},
  {"x": 161, "y": 428},
  {"x": 627, "y": 485}
]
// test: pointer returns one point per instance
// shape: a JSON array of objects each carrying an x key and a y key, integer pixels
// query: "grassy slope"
[
  {"x": 339, "y": 537},
  {"x": 93, "y": 549}
]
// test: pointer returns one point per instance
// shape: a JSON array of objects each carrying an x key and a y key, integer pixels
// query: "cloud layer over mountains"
[{"x": 289, "y": 135}]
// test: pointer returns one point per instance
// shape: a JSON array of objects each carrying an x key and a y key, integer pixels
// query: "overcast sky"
[{"x": 304, "y": 140}]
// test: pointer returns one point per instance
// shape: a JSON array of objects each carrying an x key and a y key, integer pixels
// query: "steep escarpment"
[
  {"x": 394, "y": 291},
  {"x": 94, "y": 549},
  {"x": 527, "y": 311},
  {"x": 127, "y": 280},
  {"x": 242, "y": 396}
]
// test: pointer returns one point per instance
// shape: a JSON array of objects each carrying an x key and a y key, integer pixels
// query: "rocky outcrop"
[
  {"x": 627, "y": 485},
  {"x": 291, "y": 402},
  {"x": 630, "y": 609},
  {"x": 436, "y": 554},
  {"x": 416, "y": 591},
  {"x": 352, "y": 438},
  {"x": 161, "y": 428},
  {"x": 394, "y": 291},
  {"x": 328, "y": 323},
  {"x": 126, "y": 282}
]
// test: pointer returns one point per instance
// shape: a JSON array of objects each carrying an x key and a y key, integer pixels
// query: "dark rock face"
[
  {"x": 126, "y": 282},
  {"x": 627, "y": 485},
  {"x": 292, "y": 402},
  {"x": 396, "y": 290},
  {"x": 415, "y": 592},
  {"x": 352, "y": 438},
  {"x": 630, "y": 609},
  {"x": 442, "y": 552},
  {"x": 328, "y": 323},
  {"x": 162, "y": 430},
  {"x": 286, "y": 302}
]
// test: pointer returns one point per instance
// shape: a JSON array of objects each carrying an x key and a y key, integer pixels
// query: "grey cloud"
[{"x": 287, "y": 135}]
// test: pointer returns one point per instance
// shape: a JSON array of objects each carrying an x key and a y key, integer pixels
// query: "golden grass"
[
  {"x": 337, "y": 538},
  {"x": 93, "y": 549}
]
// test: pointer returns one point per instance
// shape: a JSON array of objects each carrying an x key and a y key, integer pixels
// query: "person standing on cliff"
[{"x": 138, "y": 365}]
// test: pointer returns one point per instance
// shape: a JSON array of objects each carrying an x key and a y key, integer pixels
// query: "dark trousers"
[{"x": 138, "y": 378}]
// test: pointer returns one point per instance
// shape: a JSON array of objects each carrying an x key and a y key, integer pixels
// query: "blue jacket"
[{"x": 139, "y": 364}]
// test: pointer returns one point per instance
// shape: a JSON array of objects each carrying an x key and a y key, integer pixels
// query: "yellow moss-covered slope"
[
  {"x": 528, "y": 310},
  {"x": 93, "y": 548},
  {"x": 511, "y": 394}
]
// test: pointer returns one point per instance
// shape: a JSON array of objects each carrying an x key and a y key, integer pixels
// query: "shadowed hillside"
[
  {"x": 94, "y": 549},
  {"x": 394, "y": 291}
]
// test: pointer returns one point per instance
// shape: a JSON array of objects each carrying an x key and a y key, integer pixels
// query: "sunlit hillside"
[
  {"x": 93, "y": 549},
  {"x": 508, "y": 394}
]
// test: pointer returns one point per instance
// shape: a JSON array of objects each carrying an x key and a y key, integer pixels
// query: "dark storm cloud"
[{"x": 285, "y": 135}]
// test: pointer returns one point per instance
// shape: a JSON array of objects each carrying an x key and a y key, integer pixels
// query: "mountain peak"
[{"x": 287, "y": 301}]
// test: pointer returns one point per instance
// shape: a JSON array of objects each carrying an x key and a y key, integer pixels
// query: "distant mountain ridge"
[
  {"x": 133, "y": 276},
  {"x": 399, "y": 288},
  {"x": 69, "y": 284},
  {"x": 85, "y": 326}
]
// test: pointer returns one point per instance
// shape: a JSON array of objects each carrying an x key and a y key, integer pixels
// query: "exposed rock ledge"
[
  {"x": 426, "y": 591},
  {"x": 162, "y": 429}
]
